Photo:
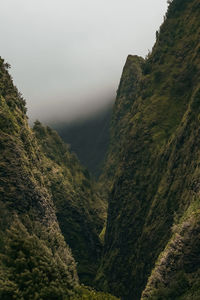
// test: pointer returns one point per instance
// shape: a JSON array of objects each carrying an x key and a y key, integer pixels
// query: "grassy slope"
[{"x": 157, "y": 145}]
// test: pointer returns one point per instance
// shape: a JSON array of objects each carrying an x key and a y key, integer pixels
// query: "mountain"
[
  {"x": 55, "y": 230},
  {"x": 47, "y": 201},
  {"x": 29, "y": 228},
  {"x": 152, "y": 170},
  {"x": 88, "y": 138}
]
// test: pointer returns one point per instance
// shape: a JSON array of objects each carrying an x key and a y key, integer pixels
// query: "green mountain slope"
[
  {"x": 79, "y": 207},
  {"x": 29, "y": 234},
  {"x": 37, "y": 175},
  {"x": 153, "y": 167}
]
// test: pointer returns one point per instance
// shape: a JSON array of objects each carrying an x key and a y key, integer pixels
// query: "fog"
[{"x": 67, "y": 55}]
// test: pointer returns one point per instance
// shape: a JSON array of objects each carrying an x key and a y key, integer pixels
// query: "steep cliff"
[
  {"x": 37, "y": 174},
  {"x": 30, "y": 235},
  {"x": 153, "y": 167}
]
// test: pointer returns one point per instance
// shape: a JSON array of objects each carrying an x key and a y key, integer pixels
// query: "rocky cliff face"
[{"x": 153, "y": 167}]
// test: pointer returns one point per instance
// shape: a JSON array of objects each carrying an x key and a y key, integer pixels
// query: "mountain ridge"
[{"x": 150, "y": 168}]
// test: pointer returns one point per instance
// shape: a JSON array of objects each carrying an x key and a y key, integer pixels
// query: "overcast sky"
[{"x": 67, "y": 55}]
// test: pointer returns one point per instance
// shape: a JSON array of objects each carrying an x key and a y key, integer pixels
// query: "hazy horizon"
[{"x": 67, "y": 56}]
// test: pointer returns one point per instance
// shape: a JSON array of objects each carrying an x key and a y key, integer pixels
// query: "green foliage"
[
  {"x": 7, "y": 90},
  {"x": 30, "y": 269},
  {"x": 176, "y": 6},
  {"x": 176, "y": 274},
  {"x": 85, "y": 293}
]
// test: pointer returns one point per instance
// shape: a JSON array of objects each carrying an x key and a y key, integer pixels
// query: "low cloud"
[{"x": 67, "y": 56}]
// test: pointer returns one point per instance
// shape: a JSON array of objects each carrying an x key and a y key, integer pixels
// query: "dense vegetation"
[
  {"x": 37, "y": 174},
  {"x": 27, "y": 212},
  {"x": 79, "y": 208},
  {"x": 153, "y": 167}
]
